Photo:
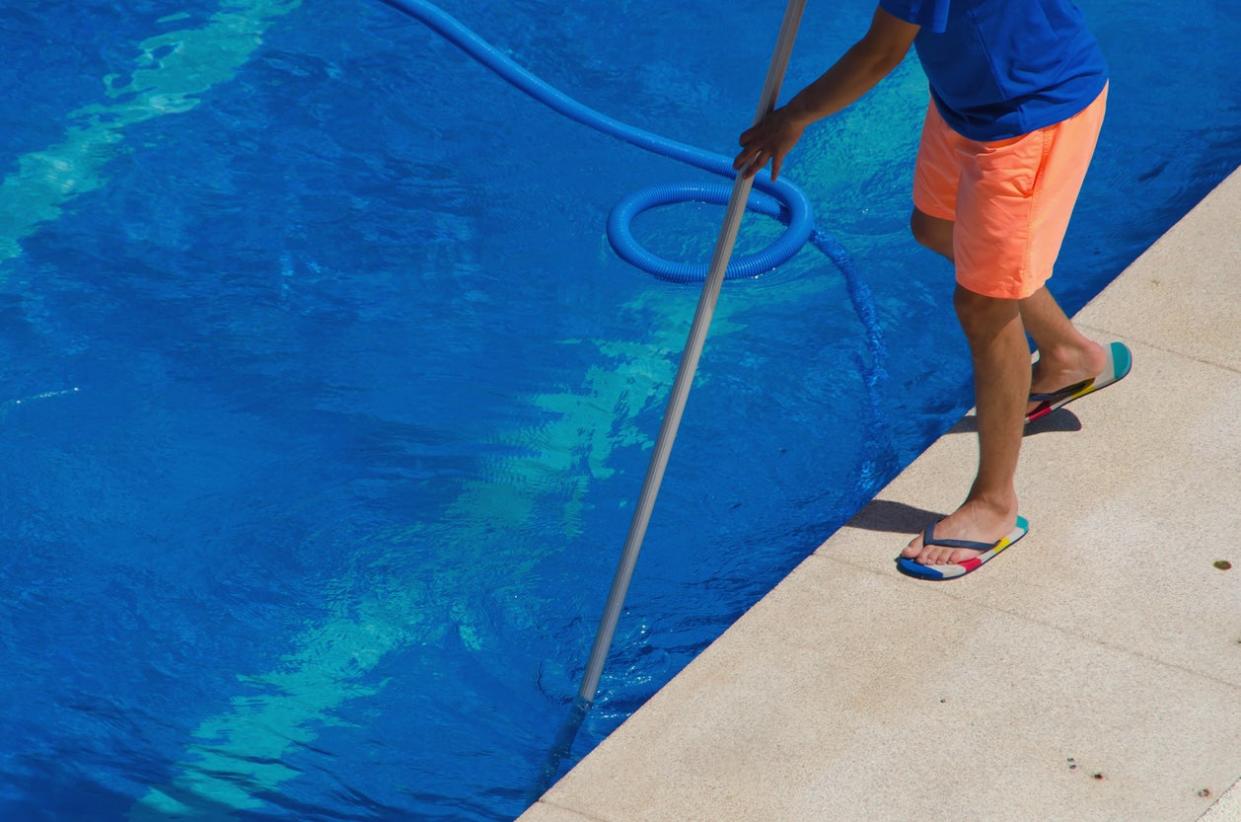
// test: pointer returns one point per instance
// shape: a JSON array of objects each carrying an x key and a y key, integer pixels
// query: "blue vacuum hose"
[{"x": 780, "y": 199}]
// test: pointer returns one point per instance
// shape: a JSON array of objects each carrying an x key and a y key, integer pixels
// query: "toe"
[{"x": 914, "y": 548}]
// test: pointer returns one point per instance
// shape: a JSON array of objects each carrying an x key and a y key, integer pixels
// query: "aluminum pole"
[{"x": 689, "y": 365}]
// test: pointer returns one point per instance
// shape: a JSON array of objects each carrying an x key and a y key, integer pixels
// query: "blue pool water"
[{"x": 325, "y": 399}]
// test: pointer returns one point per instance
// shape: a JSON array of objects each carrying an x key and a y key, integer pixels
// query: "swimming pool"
[{"x": 326, "y": 398}]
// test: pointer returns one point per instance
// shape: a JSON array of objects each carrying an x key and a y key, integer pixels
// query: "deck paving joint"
[
  {"x": 1033, "y": 621},
  {"x": 591, "y": 816},
  {"x": 1097, "y": 330}
]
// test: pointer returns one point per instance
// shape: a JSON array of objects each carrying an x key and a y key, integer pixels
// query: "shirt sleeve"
[{"x": 930, "y": 14}]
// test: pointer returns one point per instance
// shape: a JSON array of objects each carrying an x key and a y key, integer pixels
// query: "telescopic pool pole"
[{"x": 685, "y": 373}]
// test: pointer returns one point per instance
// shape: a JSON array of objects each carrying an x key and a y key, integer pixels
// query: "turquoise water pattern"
[{"x": 326, "y": 399}]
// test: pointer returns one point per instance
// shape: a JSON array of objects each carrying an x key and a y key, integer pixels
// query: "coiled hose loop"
[{"x": 779, "y": 199}]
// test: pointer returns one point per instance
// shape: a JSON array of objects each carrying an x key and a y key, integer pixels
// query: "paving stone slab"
[
  {"x": 546, "y": 812},
  {"x": 1227, "y": 809},
  {"x": 850, "y": 695},
  {"x": 1128, "y": 516},
  {"x": 1183, "y": 293}
]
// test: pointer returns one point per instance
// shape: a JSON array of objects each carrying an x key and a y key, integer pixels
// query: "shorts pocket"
[{"x": 1011, "y": 167}]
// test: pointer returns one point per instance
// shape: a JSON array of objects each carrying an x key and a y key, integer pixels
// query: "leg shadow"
[
  {"x": 1062, "y": 419},
  {"x": 893, "y": 517}
]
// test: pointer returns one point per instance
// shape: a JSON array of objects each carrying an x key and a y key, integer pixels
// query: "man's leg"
[
  {"x": 1065, "y": 355},
  {"x": 933, "y": 232},
  {"x": 1001, "y": 386}
]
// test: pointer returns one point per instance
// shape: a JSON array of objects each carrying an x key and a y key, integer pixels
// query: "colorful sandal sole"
[
  {"x": 913, "y": 568},
  {"x": 1119, "y": 364}
]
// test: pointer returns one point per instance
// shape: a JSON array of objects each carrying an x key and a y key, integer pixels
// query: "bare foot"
[
  {"x": 974, "y": 520},
  {"x": 1060, "y": 369}
]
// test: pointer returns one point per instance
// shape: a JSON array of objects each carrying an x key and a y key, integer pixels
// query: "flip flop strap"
[
  {"x": 1062, "y": 393},
  {"x": 928, "y": 538}
]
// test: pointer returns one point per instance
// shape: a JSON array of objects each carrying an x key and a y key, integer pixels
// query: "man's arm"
[{"x": 869, "y": 60}]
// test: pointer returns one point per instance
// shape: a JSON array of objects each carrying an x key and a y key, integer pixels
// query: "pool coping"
[{"x": 1058, "y": 682}]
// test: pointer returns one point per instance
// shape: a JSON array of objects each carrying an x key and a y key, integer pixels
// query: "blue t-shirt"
[{"x": 1000, "y": 68}]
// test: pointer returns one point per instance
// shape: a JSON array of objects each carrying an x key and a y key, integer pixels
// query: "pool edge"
[{"x": 626, "y": 778}]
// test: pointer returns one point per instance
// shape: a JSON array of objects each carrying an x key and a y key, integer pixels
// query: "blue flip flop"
[{"x": 913, "y": 568}]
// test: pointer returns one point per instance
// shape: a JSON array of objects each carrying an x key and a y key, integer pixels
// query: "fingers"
[
  {"x": 755, "y": 162},
  {"x": 759, "y": 149},
  {"x": 747, "y": 157},
  {"x": 754, "y": 131},
  {"x": 751, "y": 141},
  {"x": 760, "y": 162}
]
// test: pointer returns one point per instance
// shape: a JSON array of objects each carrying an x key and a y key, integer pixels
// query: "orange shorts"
[{"x": 1010, "y": 199}]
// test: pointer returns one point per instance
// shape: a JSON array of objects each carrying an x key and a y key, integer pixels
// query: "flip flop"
[
  {"x": 913, "y": 568},
  {"x": 1119, "y": 364}
]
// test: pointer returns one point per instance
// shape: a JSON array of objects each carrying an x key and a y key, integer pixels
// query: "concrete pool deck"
[{"x": 1093, "y": 672}]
